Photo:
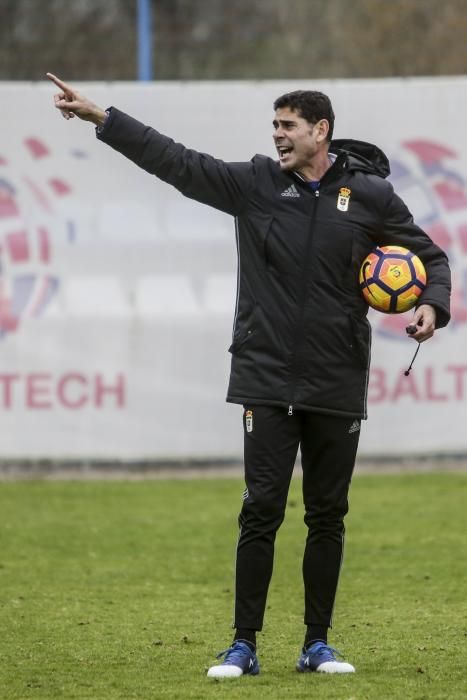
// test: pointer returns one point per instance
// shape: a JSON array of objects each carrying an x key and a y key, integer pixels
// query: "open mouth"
[{"x": 283, "y": 151}]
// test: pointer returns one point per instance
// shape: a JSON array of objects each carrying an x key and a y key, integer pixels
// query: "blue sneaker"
[
  {"x": 322, "y": 658},
  {"x": 239, "y": 660}
]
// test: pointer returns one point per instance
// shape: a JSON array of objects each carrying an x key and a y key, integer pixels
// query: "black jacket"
[{"x": 301, "y": 337}]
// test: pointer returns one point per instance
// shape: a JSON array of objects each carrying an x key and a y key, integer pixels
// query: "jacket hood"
[{"x": 362, "y": 156}]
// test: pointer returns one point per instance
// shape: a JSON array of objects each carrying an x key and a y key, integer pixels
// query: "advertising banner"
[{"x": 117, "y": 295}]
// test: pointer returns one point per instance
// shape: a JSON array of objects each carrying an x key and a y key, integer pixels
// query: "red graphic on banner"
[
  {"x": 59, "y": 186},
  {"x": 429, "y": 152},
  {"x": 29, "y": 215},
  {"x": 36, "y": 148},
  {"x": 17, "y": 246}
]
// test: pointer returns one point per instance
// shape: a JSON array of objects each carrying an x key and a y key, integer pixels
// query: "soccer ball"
[{"x": 392, "y": 279}]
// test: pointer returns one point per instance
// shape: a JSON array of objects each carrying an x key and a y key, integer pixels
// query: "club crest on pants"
[{"x": 249, "y": 421}]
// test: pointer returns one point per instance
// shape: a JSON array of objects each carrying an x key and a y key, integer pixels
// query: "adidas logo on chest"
[{"x": 290, "y": 192}]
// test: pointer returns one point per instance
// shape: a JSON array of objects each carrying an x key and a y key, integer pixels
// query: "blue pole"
[{"x": 144, "y": 40}]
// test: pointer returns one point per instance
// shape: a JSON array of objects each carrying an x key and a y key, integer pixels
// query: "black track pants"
[{"x": 328, "y": 447}]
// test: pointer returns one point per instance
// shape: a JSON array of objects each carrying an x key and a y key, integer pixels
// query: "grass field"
[{"x": 124, "y": 590}]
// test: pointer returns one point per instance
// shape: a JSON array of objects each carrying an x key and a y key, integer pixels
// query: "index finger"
[{"x": 66, "y": 88}]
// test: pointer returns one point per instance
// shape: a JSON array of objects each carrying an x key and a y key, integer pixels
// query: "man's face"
[{"x": 296, "y": 140}]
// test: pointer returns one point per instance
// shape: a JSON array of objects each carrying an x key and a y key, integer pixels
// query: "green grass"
[{"x": 124, "y": 590}]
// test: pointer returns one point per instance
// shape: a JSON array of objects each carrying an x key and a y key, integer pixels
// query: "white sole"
[
  {"x": 335, "y": 667},
  {"x": 222, "y": 671}
]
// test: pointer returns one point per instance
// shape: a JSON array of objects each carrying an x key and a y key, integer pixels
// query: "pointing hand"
[{"x": 71, "y": 103}]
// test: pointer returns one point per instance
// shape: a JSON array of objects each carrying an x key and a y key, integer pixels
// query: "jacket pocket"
[
  {"x": 244, "y": 332},
  {"x": 360, "y": 339}
]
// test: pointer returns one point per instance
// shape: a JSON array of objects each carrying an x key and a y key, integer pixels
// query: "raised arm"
[
  {"x": 211, "y": 181},
  {"x": 71, "y": 103}
]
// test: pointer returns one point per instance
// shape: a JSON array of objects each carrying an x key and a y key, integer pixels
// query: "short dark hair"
[{"x": 309, "y": 105}]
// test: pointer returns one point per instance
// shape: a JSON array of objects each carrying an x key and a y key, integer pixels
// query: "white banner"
[{"x": 117, "y": 294}]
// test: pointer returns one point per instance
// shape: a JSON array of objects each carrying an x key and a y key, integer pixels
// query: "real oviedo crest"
[{"x": 343, "y": 198}]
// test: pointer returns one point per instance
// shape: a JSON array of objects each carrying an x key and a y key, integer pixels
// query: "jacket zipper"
[{"x": 293, "y": 364}]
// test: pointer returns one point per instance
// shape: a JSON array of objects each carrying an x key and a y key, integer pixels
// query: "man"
[{"x": 301, "y": 341}]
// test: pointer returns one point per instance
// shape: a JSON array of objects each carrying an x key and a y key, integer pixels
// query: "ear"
[{"x": 323, "y": 129}]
